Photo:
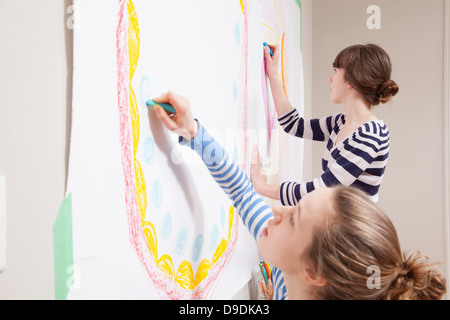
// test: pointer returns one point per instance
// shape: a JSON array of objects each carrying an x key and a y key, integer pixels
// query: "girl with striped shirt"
[
  {"x": 323, "y": 247},
  {"x": 357, "y": 142}
]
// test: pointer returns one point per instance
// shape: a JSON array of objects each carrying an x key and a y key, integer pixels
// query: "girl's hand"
[
  {"x": 272, "y": 61},
  {"x": 182, "y": 122},
  {"x": 256, "y": 171}
]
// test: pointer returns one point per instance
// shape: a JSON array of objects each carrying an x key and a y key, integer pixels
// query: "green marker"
[
  {"x": 165, "y": 106},
  {"x": 263, "y": 272}
]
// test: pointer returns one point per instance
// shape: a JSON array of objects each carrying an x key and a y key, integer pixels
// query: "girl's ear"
[{"x": 312, "y": 278}]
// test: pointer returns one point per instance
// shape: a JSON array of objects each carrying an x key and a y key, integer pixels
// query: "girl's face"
[
  {"x": 338, "y": 85},
  {"x": 290, "y": 232}
]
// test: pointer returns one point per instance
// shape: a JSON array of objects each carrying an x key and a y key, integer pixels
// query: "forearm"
[
  {"x": 271, "y": 191},
  {"x": 280, "y": 99}
]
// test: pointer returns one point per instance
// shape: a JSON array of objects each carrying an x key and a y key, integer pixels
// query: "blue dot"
[
  {"x": 149, "y": 150},
  {"x": 166, "y": 226},
  {"x": 156, "y": 194},
  {"x": 197, "y": 247},
  {"x": 237, "y": 33},
  {"x": 235, "y": 91},
  {"x": 145, "y": 91},
  {"x": 214, "y": 238},
  {"x": 181, "y": 241}
]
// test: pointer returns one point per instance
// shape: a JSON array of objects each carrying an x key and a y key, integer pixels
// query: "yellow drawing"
[{"x": 184, "y": 275}]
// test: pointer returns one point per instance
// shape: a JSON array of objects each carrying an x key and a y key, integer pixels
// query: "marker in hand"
[
  {"x": 165, "y": 106},
  {"x": 266, "y": 45}
]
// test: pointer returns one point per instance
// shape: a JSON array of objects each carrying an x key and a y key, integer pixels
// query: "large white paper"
[{"x": 148, "y": 220}]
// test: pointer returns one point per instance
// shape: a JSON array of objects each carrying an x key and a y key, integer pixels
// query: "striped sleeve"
[
  {"x": 279, "y": 288},
  {"x": 255, "y": 213},
  {"x": 314, "y": 129},
  {"x": 360, "y": 162}
]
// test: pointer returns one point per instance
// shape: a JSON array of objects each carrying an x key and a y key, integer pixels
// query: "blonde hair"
[{"x": 358, "y": 237}]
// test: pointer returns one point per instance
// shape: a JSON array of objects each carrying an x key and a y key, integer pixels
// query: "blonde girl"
[{"x": 333, "y": 244}]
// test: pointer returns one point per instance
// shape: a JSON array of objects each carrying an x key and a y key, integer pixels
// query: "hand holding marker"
[
  {"x": 165, "y": 106},
  {"x": 175, "y": 113},
  {"x": 266, "y": 45}
]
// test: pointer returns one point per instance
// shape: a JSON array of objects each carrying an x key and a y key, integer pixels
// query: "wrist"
[
  {"x": 273, "y": 76},
  {"x": 271, "y": 191},
  {"x": 260, "y": 187}
]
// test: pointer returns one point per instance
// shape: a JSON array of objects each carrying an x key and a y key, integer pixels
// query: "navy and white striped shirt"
[
  {"x": 359, "y": 160},
  {"x": 252, "y": 209}
]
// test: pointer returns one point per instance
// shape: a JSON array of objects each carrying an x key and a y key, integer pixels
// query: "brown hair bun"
[
  {"x": 368, "y": 70},
  {"x": 387, "y": 91}
]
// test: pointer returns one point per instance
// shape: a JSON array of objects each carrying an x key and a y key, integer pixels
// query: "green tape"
[
  {"x": 63, "y": 249},
  {"x": 299, "y": 4}
]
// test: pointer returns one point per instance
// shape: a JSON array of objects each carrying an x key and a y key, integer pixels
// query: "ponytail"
[{"x": 417, "y": 280}]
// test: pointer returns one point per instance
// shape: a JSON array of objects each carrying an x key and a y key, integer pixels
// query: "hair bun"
[
  {"x": 417, "y": 279},
  {"x": 387, "y": 91}
]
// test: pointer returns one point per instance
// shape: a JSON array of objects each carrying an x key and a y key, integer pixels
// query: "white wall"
[
  {"x": 412, "y": 32},
  {"x": 34, "y": 91}
]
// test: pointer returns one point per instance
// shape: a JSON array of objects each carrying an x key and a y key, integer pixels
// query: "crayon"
[
  {"x": 165, "y": 106},
  {"x": 268, "y": 270},
  {"x": 266, "y": 45}
]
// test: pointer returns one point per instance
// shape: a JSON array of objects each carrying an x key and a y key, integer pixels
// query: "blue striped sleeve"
[
  {"x": 279, "y": 288},
  {"x": 252, "y": 209}
]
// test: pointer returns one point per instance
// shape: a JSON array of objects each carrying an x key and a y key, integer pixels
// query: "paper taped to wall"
[{"x": 148, "y": 222}]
